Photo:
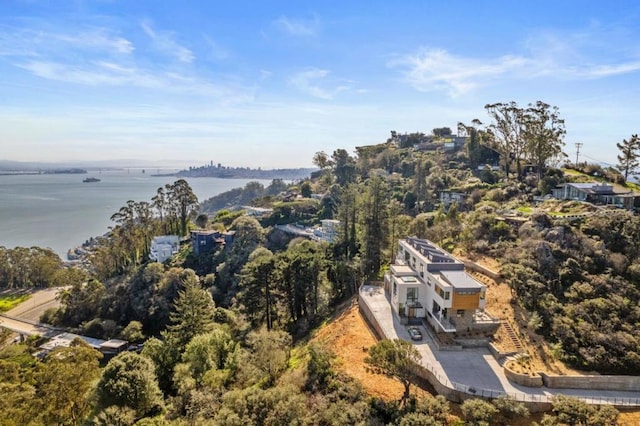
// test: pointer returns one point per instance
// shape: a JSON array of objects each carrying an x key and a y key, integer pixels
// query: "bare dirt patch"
[{"x": 349, "y": 337}]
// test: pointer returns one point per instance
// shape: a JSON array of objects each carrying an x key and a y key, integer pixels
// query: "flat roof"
[
  {"x": 460, "y": 280},
  {"x": 403, "y": 270}
]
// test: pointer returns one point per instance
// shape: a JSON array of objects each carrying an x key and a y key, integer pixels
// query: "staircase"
[{"x": 513, "y": 337}]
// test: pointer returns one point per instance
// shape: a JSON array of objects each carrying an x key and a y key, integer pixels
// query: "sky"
[{"x": 269, "y": 83}]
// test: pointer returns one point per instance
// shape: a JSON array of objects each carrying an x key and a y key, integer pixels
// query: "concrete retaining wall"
[
  {"x": 479, "y": 268},
  {"x": 528, "y": 380},
  {"x": 621, "y": 383},
  {"x": 368, "y": 315}
]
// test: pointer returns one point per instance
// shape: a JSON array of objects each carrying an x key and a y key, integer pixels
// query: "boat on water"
[{"x": 91, "y": 179}]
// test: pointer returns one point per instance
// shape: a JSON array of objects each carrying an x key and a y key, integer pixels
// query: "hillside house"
[
  {"x": 597, "y": 193},
  {"x": 163, "y": 247},
  {"x": 449, "y": 197},
  {"x": 203, "y": 242},
  {"x": 426, "y": 282}
]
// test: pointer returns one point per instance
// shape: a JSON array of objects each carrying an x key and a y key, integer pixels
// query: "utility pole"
[{"x": 578, "y": 146}]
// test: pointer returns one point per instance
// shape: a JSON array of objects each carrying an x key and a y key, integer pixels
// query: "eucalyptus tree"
[
  {"x": 159, "y": 203},
  {"x": 506, "y": 133},
  {"x": 544, "y": 131},
  {"x": 183, "y": 202},
  {"x": 629, "y": 157}
]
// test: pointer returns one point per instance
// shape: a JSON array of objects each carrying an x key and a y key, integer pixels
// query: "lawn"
[{"x": 10, "y": 301}]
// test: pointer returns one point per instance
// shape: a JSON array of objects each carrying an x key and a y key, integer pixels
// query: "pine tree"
[
  {"x": 193, "y": 313},
  {"x": 629, "y": 157}
]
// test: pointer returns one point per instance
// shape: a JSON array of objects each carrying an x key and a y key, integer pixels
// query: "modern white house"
[
  {"x": 163, "y": 247},
  {"x": 428, "y": 283}
]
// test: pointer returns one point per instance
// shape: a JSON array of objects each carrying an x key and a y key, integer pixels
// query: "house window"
[
  {"x": 447, "y": 295},
  {"x": 412, "y": 294},
  {"x": 395, "y": 288},
  {"x": 421, "y": 269},
  {"x": 482, "y": 294}
]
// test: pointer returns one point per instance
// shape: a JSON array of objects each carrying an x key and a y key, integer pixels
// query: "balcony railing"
[{"x": 446, "y": 325}]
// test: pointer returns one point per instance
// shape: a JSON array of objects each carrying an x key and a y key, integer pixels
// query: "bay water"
[{"x": 60, "y": 211}]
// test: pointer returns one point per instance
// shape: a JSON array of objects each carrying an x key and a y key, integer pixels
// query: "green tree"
[
  {"x": 506, "y": 133},
  {"x": 509, "y": 409},
  {"x": 133, "y": 332},
  {"x": 249, "y": 234},
  {"x": 255, "y": 289},
  {"x": 305, "y": 189},
  {"x": 344, "y": 167},
  {"x": 208, "y": 357},
  {"x": 270, "y": 353},
  {"x": 184, "y": 201},
  {"x": 373, "y": 221},
  {"x": 629, "y": 157},
  {"x": 544, "y": 131},
  {"x": 64, "y": 382},
  {"x": 347, "y": 214},
  {"x": 82, "y": 302},
  {"x": 193, "y": 312},
  {"x": 395, "y": 358},
  {"x": 478, "y": 412},
  {"x": 129, "y": 380}
]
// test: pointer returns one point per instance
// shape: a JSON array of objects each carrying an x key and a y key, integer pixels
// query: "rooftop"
[
  {"x": 430, "y": 251},
  {"x": 460, "y": 280}
]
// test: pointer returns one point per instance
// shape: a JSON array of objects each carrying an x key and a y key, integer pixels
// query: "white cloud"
[
  {"x": 104, "y": 73},
  {"x": 298, "y": 27},
  {"x": 165, "y": 43},
  {"x": 437, "y": 69},
  {"x": 440, "y": 70},
  {"x": 306, "y": 82},
  {"x": 31, "y": 42}
]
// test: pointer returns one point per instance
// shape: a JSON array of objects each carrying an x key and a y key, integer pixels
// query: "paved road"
[
  {"x": 30, "y": 311},
  {"x": 29, "y": 329},
  {"x": 472, "y": 367}
]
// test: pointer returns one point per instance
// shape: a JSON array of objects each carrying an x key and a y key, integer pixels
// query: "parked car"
[{"x": 415, "y": 333}]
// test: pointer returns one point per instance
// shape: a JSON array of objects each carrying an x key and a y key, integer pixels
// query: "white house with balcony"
[
  {"x": 426, "y": 282},
  {"x": 163, "y": 247}
]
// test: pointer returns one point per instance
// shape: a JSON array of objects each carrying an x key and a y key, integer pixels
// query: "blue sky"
[{"x": 269, "y": 83}]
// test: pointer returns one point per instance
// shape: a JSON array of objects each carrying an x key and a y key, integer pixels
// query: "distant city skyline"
[{"x": 268, "y": 84}]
